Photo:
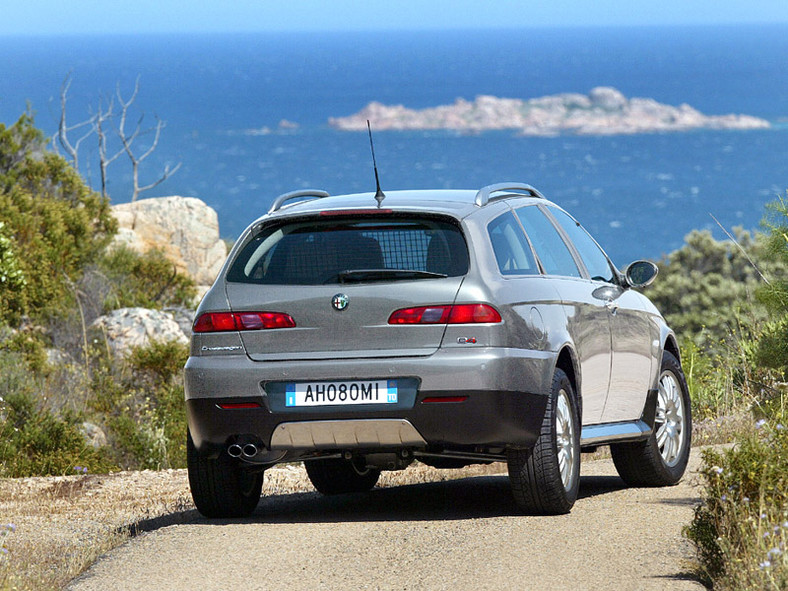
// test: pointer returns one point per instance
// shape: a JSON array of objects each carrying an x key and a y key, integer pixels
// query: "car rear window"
[{"x": 318, "y": 252}]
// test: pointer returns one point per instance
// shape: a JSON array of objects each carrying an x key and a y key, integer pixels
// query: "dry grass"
[{"x": 63, "y": 524}]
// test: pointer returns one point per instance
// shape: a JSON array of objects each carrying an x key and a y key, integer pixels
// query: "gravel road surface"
[{"x": 459, "y": 534}]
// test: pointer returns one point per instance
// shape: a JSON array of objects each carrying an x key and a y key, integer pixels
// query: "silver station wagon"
[{"x": 360, "y": 333}]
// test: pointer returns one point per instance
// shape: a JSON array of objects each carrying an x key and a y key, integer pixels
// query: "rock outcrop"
[
  {"x": 604, "y": 111},
  {"x": 184, "y": 228},
  {"x": 137, "y": 327}
]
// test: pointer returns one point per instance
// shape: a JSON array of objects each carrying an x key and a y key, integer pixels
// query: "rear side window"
[
  {"x": 322, "y": 251},
  {"x": 511, "y": 249},
  {"x": 551, "y": 249},
  {"x": 595, "y": 260}
]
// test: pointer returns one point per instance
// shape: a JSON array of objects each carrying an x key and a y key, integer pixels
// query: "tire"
[
  {"x": 662, "y": 459},
  {"x": 220, "y": 486},
  {"x": 337, "y": 476},
  {"x": 545, "y": 479}
]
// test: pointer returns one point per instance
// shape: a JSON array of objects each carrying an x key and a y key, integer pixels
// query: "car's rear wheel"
[
  {"x": 662, "y": 458},
  {"x": 221, "y": 486},
  {"x": 337, "y": 476},
  {"x": 546, "y": 478}
]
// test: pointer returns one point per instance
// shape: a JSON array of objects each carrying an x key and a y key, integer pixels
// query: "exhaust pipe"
[
  {"x": 235, "y": 450},
  {"x": 250, "y": 450}
]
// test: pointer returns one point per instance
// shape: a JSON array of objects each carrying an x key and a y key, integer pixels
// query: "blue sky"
[{"x": 32, "y": 17}]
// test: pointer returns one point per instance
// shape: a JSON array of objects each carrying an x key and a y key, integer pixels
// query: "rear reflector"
[
  {"x": 458, "y": 314},
  {"x": 227, "y": 321},
  {"x": 430, "y": 399},
  {"x": 238, "y": 405}
]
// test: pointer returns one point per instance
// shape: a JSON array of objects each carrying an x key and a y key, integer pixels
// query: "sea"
[{"x": 222, "y": 97}]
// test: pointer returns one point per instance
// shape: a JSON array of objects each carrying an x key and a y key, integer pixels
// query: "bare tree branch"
[
  {"x": 104, "y": 160},
  {"x": 127, "y": 141},
  {"x": 97, "y": 124},
  {"x": 63, "y": 129}
]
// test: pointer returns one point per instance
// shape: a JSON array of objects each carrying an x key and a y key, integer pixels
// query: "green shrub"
[
  {"x": 706, "y": 289},
  {"x": 147, "y": 280},
  {"x": 54, "y": 224},
  {"x": 773, "y": 346},
  {"x": 717, "y": 378},
  {"x": 13, "y": 297},
  {"x": 142, "y": 400},
  {"x": 159, "y": 368},
  {"x": 741, "y": 529},
  {"x": 34, "y": 440}
]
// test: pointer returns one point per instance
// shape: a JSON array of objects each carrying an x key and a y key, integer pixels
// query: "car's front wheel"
[
  {"x": 662, "y": 458},
  {"x": 221, "y": 486},
  {"x": 546, "y": 479},
  {"x": 337, "y": 476}
]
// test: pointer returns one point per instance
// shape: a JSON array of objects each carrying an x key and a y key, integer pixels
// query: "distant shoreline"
[{"x": 603, "y": 111}]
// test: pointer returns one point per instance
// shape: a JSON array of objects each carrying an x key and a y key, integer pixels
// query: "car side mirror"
[{"x": 641, "y": 273}]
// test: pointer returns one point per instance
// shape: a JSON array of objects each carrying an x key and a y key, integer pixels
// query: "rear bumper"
[{"x": 502, "y": 392}]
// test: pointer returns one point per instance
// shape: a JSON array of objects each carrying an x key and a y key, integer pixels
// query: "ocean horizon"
[{"x": 223, "y": 96}]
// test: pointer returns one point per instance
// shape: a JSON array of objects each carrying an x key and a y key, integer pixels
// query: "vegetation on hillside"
[
  {"x": 741, "y": 529},
  {"x": 58, "y": 273}
]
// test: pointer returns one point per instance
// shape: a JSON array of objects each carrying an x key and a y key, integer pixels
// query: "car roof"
[{"x": 458, "y": 203}]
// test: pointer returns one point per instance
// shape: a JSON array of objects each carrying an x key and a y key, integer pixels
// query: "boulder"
[
  {"x": 184, "y": 317},
  {"x": 137, "y": 327},
  {"x": 184, "y": 228},
  {"x": 93, "y": 434}
]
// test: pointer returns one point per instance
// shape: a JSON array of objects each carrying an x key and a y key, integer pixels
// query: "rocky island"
[{"x": 603, "y": 111}]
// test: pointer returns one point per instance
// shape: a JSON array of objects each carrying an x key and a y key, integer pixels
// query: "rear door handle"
[{"x": 611, "y": 306}]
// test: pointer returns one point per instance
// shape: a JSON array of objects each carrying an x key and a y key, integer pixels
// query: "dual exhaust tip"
[{"x": 248, "y": 450}]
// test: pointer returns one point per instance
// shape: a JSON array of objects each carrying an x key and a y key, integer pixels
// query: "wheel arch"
[
  {"x": 670, "y": 345},
  {"x": 567, "y": 362}
]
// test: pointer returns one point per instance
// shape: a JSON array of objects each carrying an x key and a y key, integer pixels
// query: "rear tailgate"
[
  {"x": 360, "y": 330},
  {"x": 340, "y": 277}
]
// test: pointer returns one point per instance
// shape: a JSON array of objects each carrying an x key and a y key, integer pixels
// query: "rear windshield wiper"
[{"x": 359, "y": 275}]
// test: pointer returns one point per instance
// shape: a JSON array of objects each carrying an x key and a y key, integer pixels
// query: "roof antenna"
[{"x": 379, "y": 195}]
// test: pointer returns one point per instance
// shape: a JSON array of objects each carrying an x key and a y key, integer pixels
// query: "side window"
[
  {"x": 551, "y": 249},
  {"x": 510, "y": 247},
  {"x": 594, "y": 259}
]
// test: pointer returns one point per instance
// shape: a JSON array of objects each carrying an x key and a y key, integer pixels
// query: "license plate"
[{"x": 341, "y": 393}]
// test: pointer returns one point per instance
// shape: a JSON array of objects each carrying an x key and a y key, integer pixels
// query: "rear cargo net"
[{"x": 320, "y": 252}]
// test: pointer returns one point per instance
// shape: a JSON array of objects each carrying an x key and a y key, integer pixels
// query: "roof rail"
[
  {"x": 311, "y": 193},
  {"x": 484, "y": 195}
]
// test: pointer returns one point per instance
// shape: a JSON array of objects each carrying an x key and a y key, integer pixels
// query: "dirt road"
[{"x": 462, "y": 534}]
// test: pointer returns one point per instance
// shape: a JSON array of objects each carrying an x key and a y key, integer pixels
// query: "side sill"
[{"x": 614, "y": 433}]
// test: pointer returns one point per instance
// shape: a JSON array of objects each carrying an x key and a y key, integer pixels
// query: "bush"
[
  {"x": 147, "y": 280},
  {"x": 13, "y": 298},
  {"x": 706, "y": 288},
  {"x": 741, "y": 529},
  {"x": 56, "y": 277},
  {"x": 773, "y": 347},
  {"x": 717, "y": 379},
  {"x": 34, "y": 440},
  {"x": 142, "y": 400},
  {"x": 54, "y": 224}
]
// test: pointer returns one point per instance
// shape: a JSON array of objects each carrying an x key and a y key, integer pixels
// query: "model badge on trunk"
[{"x": 340, "y": 301}]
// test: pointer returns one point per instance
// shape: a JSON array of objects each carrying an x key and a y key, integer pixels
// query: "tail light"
[
  {"x": 227, "y": 321},
  {"x": 457, "y": 314}
]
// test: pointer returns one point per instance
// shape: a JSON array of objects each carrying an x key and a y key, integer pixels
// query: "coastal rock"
[
  {"x": 126, "y": 328},
  {"x": 604, "y": 111},
  {"x": 184, "y": 228}
]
